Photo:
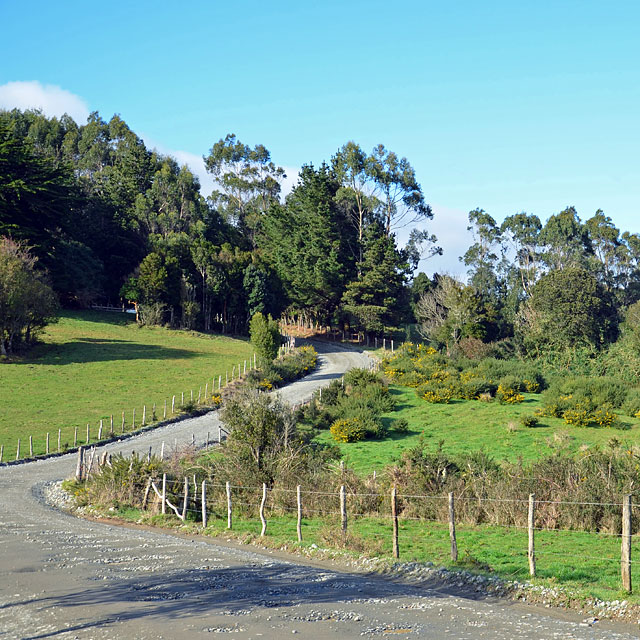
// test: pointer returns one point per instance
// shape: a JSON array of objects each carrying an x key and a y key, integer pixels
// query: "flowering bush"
[
  {"x": 508, "y": 395},
  {"x": 348, "y": 430}
]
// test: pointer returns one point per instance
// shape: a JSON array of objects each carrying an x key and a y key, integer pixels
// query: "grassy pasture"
[
  {"x": 470, "y": 425},
  {"x": 94, "y": 364}
]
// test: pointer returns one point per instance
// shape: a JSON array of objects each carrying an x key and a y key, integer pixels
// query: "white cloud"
[{"x": 53, "y": 100}]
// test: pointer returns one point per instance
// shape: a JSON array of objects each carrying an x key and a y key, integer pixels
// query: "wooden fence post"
[
  {"x": 133, "y": 423},
  {"x": 219, "y": 382},
  {"x": 229, "y": 507},
  {"x": 185, "y": 500},
  {"x": 204, "y": 504},
  {"x": 111, "y": 425},
  {"x": 452, "y": 529},
  {"x": 299, "y": 524},
  {"x": 144, "y": 414},
  {"x": 31, "y": 446},
  {"x": 80, "y": 463},
  {"x": 262, "y": 503},
  {"x": 206, "y": 391},
  {"x": 18, "y": 450},
  {"x": 191, "y": 395},
  {"x": 100, "y": 431},
  {"x": 199, "y": 394},
  {"x": 182, "y": 399},
  {"x": 164, "y": 413},
  {"x": 626, "y": 543},
  {"x": 1, "y": 452},
  {"x": 164, "y": 493},
  {"x": 343, "y": 509},
  {"x": 173, "y": 405},
  {"x": 394, "y": 517},
  {"x": 59, "y": 438},
  {"x": 47, "y": 445},
  {"x": 531, "y": 525},
  {"x": 75, "y": 436},
  {"x": 122, "y": 422},
  {"x": 87, "y": 439}
]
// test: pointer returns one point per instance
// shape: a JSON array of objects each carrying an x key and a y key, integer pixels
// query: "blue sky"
[{"x": 507, "y": 106}]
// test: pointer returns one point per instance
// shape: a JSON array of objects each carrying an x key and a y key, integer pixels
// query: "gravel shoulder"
[{"x": 65, "y": 577}]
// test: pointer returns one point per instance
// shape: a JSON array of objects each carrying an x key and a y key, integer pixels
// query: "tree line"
[{"x": 111, "y": 221}]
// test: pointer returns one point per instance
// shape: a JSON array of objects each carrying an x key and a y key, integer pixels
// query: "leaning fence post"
[
  {"x": 204, "y": 504},
  {"x": 299, "y": 524},
  {"x": 531, "y": 523},
  {"x": 262, "y": 503},
  {"x": 452, "y": 529},
  {"x": 164, "y": 493},
  {"x": 229, "y": 507},
  {"x": 626, "y": 543},
  {"x": 343, "y": 508},
  {"x": 394, "y": 517}
]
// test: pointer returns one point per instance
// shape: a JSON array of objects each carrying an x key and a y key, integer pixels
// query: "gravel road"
[{"x": 64, "y": 577}]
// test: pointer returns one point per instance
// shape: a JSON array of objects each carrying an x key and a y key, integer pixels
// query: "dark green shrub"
[
  {"x": 631, "y": 405},
  {"x": 474, "y": 388},
  {"x": 401, "y": 425},
  {"x": 361, "y": 378},
  {"x": 529, "y": 421},
  {"x": 513, "y": 382}
]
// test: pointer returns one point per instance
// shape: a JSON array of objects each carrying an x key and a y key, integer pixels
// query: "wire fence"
[
  {"x": 392, "y": 523},
  {"x": 126, "y": 422}
]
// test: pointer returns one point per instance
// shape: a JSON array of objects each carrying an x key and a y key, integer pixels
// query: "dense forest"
[{"x": 111, "y": 221}]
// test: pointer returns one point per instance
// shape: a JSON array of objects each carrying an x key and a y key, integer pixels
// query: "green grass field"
[
  {"x": 94, "y": 364},
  {"x": 471, "y": 425}
]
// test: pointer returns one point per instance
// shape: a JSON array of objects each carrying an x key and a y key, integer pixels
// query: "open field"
[
  {"x": 94, "y": 364},
  {"x": 469, "y": 425}
]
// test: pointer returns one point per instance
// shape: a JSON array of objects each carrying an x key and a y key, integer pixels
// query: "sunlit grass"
[{"x": 91, "y": 365}]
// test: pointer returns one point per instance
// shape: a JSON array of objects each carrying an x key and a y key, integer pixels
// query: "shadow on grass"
[
  {"x": 103, "y": 317},
  {"x": 102, "y": 350}
]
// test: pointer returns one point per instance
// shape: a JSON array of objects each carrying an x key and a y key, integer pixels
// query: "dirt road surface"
[{"x": 64, "y": 577}]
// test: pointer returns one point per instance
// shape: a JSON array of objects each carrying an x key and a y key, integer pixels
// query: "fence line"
[
  {"x": 184, "y": 493},
  {"x": 46, "y": 450}
]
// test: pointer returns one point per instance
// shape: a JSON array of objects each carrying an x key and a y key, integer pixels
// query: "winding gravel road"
[{"x": 63, "y": 577}]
